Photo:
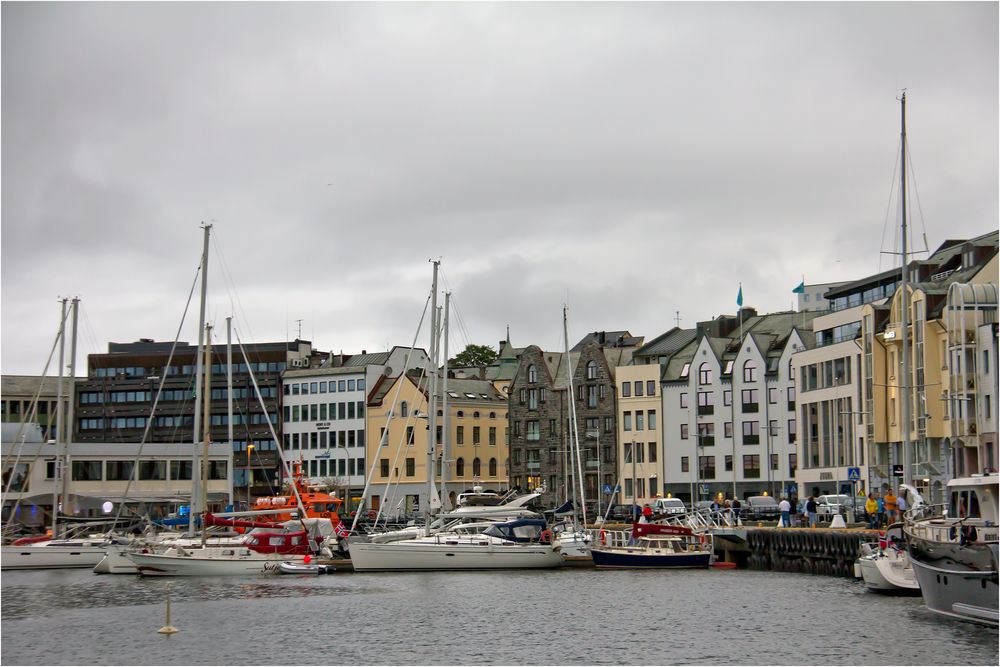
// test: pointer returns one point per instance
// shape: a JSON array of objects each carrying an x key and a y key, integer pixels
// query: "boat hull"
[
  {"x": 165, "y": 565},
  {"x": 410, "y": 556},
  {"x": 888, "y": 575},
  {"x": 957, "y": 580},
  {"x": 621, "y": 558},
  {"x": 49, "y": 557}
]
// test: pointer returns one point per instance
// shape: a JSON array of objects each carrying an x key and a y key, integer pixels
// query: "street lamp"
[{"x": 848, "y": 434}]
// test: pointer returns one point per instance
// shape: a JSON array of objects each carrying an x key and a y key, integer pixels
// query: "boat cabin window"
[
  {"x": 275, "y": 541},
  {"x": 966, "y": 504},
  {"x": 253, "y": 541},
  {"x": 296, "y": 540},
  {"x": 319, "y": 507}
]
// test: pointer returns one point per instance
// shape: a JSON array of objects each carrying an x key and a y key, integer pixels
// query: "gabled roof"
[
  {"x": 608, "y": 339},
  {"x": 369, "y": 359},
  {"x": 667, "y": 344}
]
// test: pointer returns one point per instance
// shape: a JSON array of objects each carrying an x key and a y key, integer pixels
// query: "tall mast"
[
  {"x": 432, "y": 399},
  {"x": 907, "y": 388},
  {"x": 229, "y": 412},
  {"x": 60, "y": 418},
  {"x": 574, "y": 433},
  {"x": 207, "y": 437},
  {"x": 446, "y": 434},
  {"x": 196, "y": 467},
  {"x": 68, "y": 432}
]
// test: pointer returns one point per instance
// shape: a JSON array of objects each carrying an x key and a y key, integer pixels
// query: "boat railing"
[
  {"x": 930, "y": 522},
  {"x": 609, "y": 538}
]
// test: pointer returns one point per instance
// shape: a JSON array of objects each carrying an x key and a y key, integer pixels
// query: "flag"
[
  {"x": 801, "y": 289},
  {"x": 341, "y": 530},
  {"x": 739, "y": 297}
]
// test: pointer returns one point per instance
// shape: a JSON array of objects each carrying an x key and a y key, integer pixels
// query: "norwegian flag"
[
  {"x": 341, "y": 530},
  {"x": 883, "y": 541}
]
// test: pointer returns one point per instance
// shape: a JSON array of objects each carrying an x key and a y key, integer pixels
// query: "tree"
[{"x": 474, "y": 355}]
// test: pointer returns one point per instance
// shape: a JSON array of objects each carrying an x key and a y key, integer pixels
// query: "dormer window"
[{"x": 532, "y": 374}]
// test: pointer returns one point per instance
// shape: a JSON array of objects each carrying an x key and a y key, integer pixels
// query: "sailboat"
[
  {"x": 64, "y": 547},
  {"x": 520, "y": 543}
]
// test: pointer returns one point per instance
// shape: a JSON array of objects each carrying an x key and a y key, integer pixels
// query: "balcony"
[
  {"x": 706, "y": 410},
  {"x": 534, "y": 465},
  {"x": 532, "y": 437},
  {"x": 593, "y": 463}
]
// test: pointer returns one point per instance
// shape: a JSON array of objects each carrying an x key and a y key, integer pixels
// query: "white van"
[{"x": 669, "y": 506}]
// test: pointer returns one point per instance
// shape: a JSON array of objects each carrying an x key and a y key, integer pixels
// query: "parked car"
[
  {"x": 669, "y": 506},
  {"x": 829, "y": 506},
  {"x": 761, "y": 508},
  {"x": 624, "y": 513}
]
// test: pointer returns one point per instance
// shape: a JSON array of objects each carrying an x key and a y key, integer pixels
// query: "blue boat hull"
[{"x": 638, "y": 560}]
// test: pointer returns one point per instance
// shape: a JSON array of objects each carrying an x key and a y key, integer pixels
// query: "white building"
[
  {"x": 728, "y": 407},
  {"x": 813, "y": 297},
  {"x": 324, "y": 414}
]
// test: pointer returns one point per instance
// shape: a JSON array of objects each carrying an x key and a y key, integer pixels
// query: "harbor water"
[{"x": 570, "y": 616}]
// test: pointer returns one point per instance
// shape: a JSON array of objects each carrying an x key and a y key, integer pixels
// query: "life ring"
[
  {"x": 546, "y": 536},
  {"x": 372, "y": 514},
  {"x": 701, "y": 539}
]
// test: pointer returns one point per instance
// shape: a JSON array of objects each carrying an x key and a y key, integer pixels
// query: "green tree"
[{"x": 474, "y": 355}]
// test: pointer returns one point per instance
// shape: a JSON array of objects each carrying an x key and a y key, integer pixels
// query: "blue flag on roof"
[
  {"x": 739, "y": 296},
  {"x": 801, "y": 289}
]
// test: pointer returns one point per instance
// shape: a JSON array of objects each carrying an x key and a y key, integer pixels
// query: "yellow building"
[
  {"x": 639, "y": 433},
  {"x": 945, "y": 362},
  {"x": 474, "y": 451}
]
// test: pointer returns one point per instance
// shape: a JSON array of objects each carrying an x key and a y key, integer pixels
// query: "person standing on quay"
[
  {"x": 890, "y": 507},
  {"x": 881, "y": 509},
  {"x": 901, "y": 504},
  {"x": 871, "y": 509},
  {"x": 786, "y": 508},
  {"x": 811, "y": 511}
]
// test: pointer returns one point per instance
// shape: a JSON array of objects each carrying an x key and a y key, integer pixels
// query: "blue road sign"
[
  {"x": 854, "y": 474},
  {"x": 607, "y": 488}
]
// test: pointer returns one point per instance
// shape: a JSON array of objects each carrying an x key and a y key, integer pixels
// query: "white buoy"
[{"x": 168, "y": 629}]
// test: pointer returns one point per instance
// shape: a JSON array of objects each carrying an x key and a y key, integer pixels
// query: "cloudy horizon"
[{"x": 631, "y": 160}]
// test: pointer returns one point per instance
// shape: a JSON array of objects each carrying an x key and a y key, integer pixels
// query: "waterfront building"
[
  {"x": 832, "y": 437},
  {"x": 540, "y": 436},
  {"x": 114, "y": 402},
  {"x": 640, "y": 418},
  {"x": 474, "y": 452},
  {"x": 952, "y": 369},
  {"x": 729, "y": 424},
  {"x": 323, "y": 414},
  {"x": 18, "y": 395},
  {"x": 156, "y": 476}
]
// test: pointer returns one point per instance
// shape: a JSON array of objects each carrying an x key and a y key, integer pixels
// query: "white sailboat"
[
  {"x": 76, "y": 548},
  {"x": 522, "y": 543}
]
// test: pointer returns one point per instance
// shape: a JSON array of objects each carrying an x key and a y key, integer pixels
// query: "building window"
[
  {"x": 751, "y": 433},
  {"x": 411, "y": 467},
  {"x": 532, "y": 374},
  {"x": 638, "y": 387},
  {"x": 476, "y": 467},
  {"x": 460, "y": 435},
  {"x": 118, "y": 470},
  {"x": 728, "y": 429},
  {"x": 705, "y": 373},
  {"x": 627, "y": 421},
  {"x": 384, "y": 467},
  {"x": 591, "y": 395},
  {"x": 684, "y": 431},
  {"x": 749, "y": 372},
  {"x": 492, "y": 435},
  {"x": 750, "y": 398},
  {"x": 684, "y": 464},
  {"x": 147, "y": 469},
  {"x": 626, "y": 389},
  {"x": 793, "y": 464},
  {"x": 772, "y": 395},
  {"x": 493, "y": 468},
  {"x": 651, "y": 420},
  {"x": 650, "y": 387},
  {"x": 706, "y": 467},
  {"x": 774, "y": 461},
  {"x": 684, "y": 400},
  {"x": 727, "y": 397},
  {"x": 533, "y": 433},
  {"x": 652, "y": 452},
  {"x": 751, "y": 466},
  {"x": 591, "y": 370},
  {"x": 639, "y": 421},
  {"x": 409, "y": 435},
  {"x": 729, "y": 463},
  {"x": 460, "y": 467}
]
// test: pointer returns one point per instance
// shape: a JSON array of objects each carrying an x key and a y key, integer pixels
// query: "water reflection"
[{"x": 562, "y": 617}]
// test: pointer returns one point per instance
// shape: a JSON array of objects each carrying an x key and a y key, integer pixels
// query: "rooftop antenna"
[
  {"x": 300, "y": 329},
  {"x": 677, "y": 318}
]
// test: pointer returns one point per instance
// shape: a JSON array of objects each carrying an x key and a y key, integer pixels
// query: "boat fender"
[
  {"x": 604, "y": 539},
  {"x": 546, "y": 536},
  {"x": 701, "y": 539}
]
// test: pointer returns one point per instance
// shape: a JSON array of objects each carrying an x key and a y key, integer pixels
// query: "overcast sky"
[{"x": 631, "y": 160}]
